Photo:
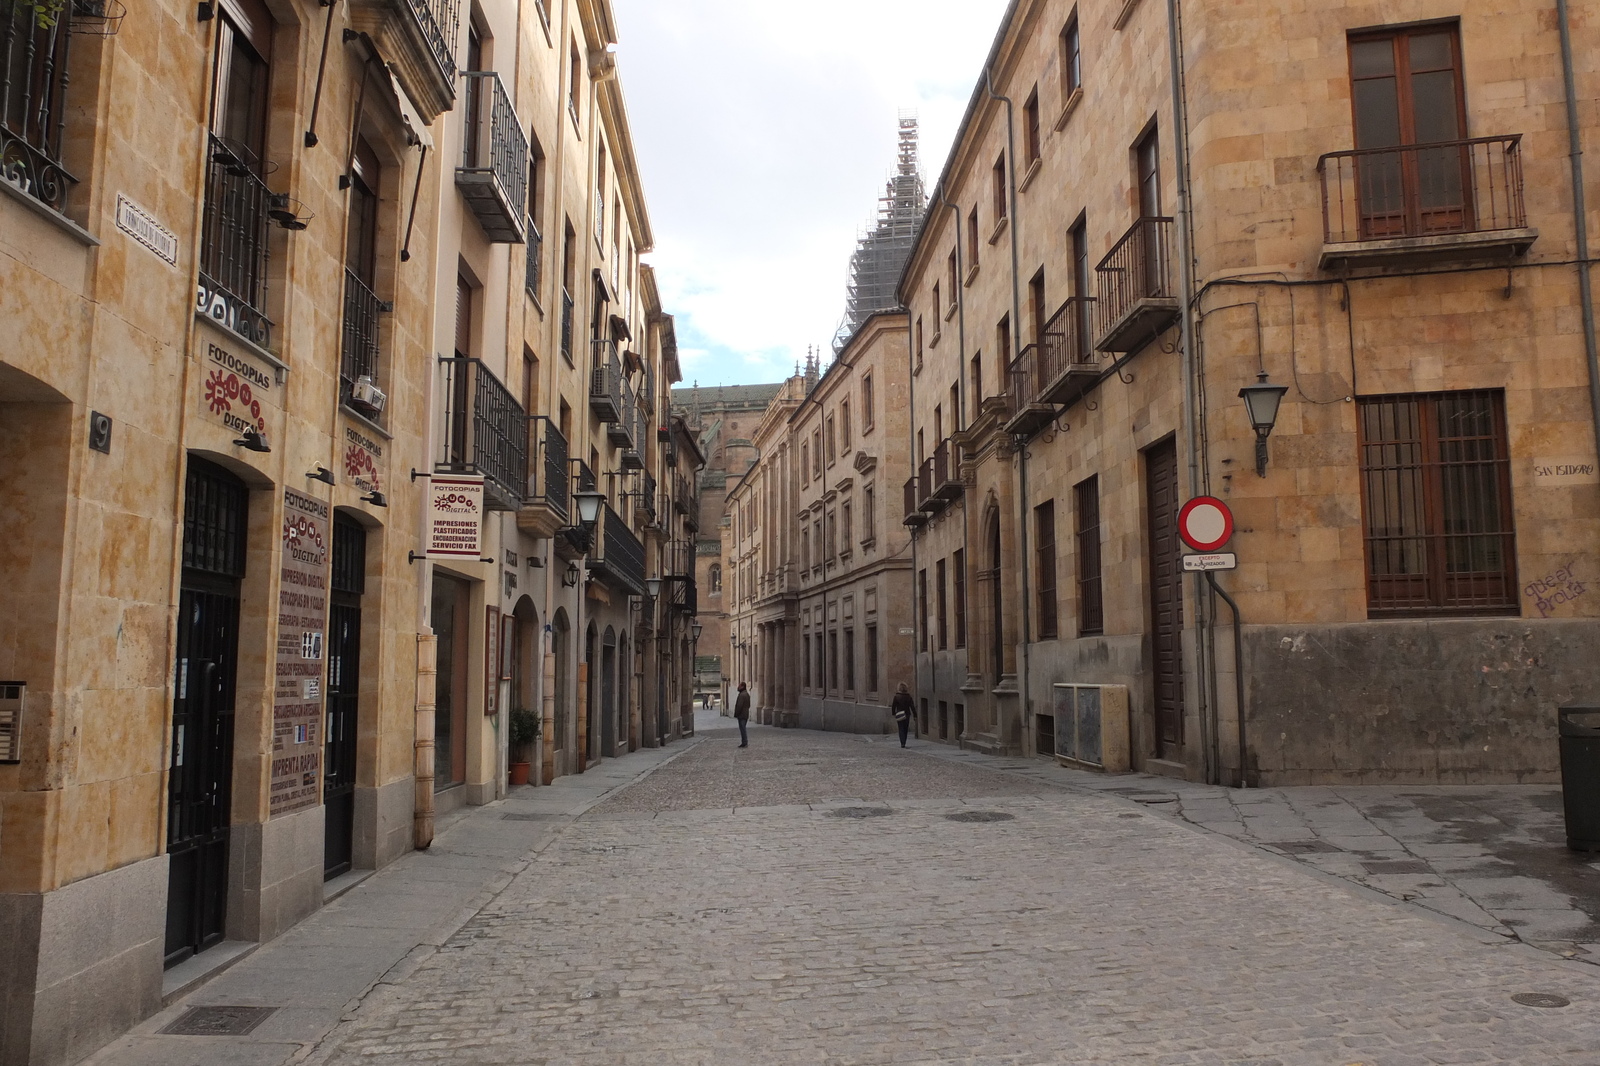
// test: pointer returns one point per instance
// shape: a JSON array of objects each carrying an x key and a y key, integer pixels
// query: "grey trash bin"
[{"x": 1579, "y": 727}]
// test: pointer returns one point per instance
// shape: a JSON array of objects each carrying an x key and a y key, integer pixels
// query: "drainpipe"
[
  {"x": 1191, "y": 413},
  {"x": 918, "y": 617},
  {"x": 1579, "y": 216},
  {"x": 1016, "y": 347}
]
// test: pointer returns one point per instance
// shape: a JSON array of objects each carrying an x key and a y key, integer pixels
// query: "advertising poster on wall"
[
  {"x": 302, "y": 621},
  {"x": 455, "y": 517}
]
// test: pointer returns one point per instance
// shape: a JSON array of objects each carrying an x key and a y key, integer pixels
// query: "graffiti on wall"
[{"x": 1554, "y": 589}]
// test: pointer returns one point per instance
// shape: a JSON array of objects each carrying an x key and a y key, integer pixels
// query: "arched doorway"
[
  {"x": 608, "y": 694},
  {"x": 627, "y": 732},
  {"x": 348, "y": 582},
  {"x": 525, "y": 666},
  {"x": 589, "y": 735}
]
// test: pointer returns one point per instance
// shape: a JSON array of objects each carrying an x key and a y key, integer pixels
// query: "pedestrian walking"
[
  {"x": 905, "y": 709},
  {"x": 741, "y": 713}
]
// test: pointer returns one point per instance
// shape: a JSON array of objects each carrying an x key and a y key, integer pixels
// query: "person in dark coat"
[
  {"x": 905, "y": 710},
  {"x": 741, "y": 712}
]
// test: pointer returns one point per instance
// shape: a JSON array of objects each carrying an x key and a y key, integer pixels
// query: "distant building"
[{"x": 880, "y": 255}]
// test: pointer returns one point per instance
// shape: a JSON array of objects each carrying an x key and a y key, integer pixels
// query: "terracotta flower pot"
[{"x": 519, "y": 772}]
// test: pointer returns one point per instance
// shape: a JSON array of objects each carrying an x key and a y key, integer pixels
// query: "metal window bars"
[
  {"x": 33, "y": 103},
  {"x": 485, "y": 432},
  {"x": 535, "y": 260},
  {"x": 1421, "y": 190},
  {"x": 493, "y": 177},
  {"x": 548, "y": 473},
  {"x": 233, "y": 242},
  {"x": 359, "y": 348}
]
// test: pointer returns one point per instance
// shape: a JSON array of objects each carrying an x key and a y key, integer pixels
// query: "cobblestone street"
[{"x": 834, "y": 899}]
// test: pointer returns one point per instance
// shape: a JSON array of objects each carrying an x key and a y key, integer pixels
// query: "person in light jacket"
[
  {"x": 905, "y": 710},
  {"x": 741, "y": 713}
]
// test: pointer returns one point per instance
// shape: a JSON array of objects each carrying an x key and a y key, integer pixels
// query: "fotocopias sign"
[{"x": 455, "y": 517}]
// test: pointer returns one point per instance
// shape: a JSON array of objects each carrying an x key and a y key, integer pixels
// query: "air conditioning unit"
[
  {"x": 365, "y": 396},
  {"x": 1092, "y": 727}
]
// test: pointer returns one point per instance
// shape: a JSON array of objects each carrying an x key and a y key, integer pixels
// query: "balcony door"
[
  {"x": 1152, "y": 270},
  {"x": 1405, "y": 91}
]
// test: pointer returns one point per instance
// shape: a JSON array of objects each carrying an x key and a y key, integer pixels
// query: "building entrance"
[
  {"x": 201, "y": 777},
  {"x": 1166, "y": 597},
  {"x": 344, "y": 695}
]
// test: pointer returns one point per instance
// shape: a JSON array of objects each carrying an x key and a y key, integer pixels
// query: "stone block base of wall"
[
  {"x": 383, "y": 823},
  {"x": 274, "y": 874},
  {"x": 843, "y": 716},
  {"x": 81, "y": 965},
  {"x": 1448, "y": 701}
]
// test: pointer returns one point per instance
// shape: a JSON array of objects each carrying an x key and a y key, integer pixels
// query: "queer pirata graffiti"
[{"x": 1553, "y": 590}]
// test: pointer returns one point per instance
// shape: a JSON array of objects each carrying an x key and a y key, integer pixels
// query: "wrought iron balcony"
[
  {"x": 927, "y": 499},
  {"x": 605, "y": 381},
  {"x": 493, "y": 175},
  {"x": 1446, "y": 200},
  {"x": 546, "y": 505},
  {"x": 913, "y": 517},
  {"x": 633, "y": 452},
  {"x": 485, "y": 432},
  {"x": 1136, "y": 298},
  {"x": 682, "y": 495},
  {"x": 618, "y": 556},
  {"x": 947, "y": 470},
  {"x": 358, "y": 356},
  {"x": 33, "y": 103},
  {"x": 648, "y": 502},
  {"x": 419, "y": 36},
  {"x": 233, "y": 242},
  {"x": 620, "y": 430},
  {"x": 685, "y": 596},
  {"x": 1028, "y": 410},
  {"x": 535, "y": 272}
]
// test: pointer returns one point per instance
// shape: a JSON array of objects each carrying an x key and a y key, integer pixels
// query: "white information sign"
[
  {"x": 1212, "y": 561},
  {"x": 455, "y": 517},
  {"x": 142, "y": 226}
]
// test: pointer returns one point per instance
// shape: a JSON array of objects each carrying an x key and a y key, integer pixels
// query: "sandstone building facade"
[
  {"x": 1367, "y": 209},
  {"x": 275, "y": 278}
]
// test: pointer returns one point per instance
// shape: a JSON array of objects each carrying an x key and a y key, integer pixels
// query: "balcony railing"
[
  {"x": 682, "y": 497},
  {"x": 233, "y": 242},
  {"x": 913, "y": 516},
  {"x": 648, "y": 501},
  {"x": 620, "y": 559},
  {"x": 605, "y": 381},
  {"x": 438, "y": 20},
  {"x": 1053, "y": 372},
  {"x": 1136, "y": 298},
  {"x": 33, "y": 103},
  {"x": 685, "y": 596},
  {"x": 485, "y": 432},
  {"x": 535, "y": 260},
  {"x": 620, "y": 430},
  {"x": 545, "y": 504},
  {"x": 358, "y": 356},
  {"x": 493, "y": 176},
  {"x": 1448, "y": 189},
  {"x": 574, "y": 541},
  {"x": 947, "y": 470},
  {"x": 633, "y": 452},
  {"x": 927, "y": 499}
]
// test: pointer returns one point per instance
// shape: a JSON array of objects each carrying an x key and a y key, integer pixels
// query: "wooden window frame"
[{"x": 1091, "y": 592}]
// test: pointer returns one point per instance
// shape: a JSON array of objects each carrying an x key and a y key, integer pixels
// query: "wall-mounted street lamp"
[
  {"x": 694, "y": 632},
  {"x": 320, "y": 473},
  {"x": 252, "y": 440},
  {"x": 589, "y": 502},
  {"x": 376, "y": 498},
  {"x": 1261, "y": 402},
  {"x": 652, "y": 585},
  {"x": 570, "y": 578}
]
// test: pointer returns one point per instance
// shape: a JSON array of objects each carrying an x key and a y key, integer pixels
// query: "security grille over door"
[{"x": 344, "y": 689}]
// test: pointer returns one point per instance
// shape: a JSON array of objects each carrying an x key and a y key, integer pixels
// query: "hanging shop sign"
[
  {"x": 455, "y": 517},
  {"x": 363, "y": 460},
  {"x": 302, "y": 620}
]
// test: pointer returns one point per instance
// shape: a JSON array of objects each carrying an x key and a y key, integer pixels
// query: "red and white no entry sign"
[{"x": 1205, "y": 523}]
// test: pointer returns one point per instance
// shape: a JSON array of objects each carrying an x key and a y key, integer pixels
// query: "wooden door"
[{"x": 1166, "y": 596}]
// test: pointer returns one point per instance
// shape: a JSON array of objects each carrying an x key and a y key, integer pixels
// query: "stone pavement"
[
  {"x": 1491, "y": 855},
  {"x": 834, "y": 900}
]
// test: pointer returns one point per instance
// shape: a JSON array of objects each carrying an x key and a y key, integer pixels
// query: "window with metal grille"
[
  {"x": 1044, "y": 517},
  {"x": 1091, "y": 609},
  {"x": 215, "y": 508},
  {"x": 1436, "y": 498},
  {"x": 944, "y": 619},
  {"x": 958, "y": 567},
  {"x": 922, "y": 610}
]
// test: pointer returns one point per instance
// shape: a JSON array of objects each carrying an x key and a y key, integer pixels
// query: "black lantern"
[
  {"x": 694, "y": 632},
  {"x": 1261, "y": 402},
  {"x": 652, "y": 585},
  {"x": 570, "y": 578}
]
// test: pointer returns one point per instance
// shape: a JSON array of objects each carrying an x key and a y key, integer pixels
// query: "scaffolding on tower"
[{"x": 880, "y": 255}]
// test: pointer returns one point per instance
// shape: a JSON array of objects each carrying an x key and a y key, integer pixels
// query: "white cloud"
[{"x": 765, "y": 133}]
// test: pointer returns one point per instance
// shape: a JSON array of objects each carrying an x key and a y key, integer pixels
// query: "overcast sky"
[{"x": 765, "y": 132}]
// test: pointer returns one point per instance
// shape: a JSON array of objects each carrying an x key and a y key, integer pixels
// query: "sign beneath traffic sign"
[
  {"x": 1205, "y": 523},
  {"x": 1212, "y": 561}
]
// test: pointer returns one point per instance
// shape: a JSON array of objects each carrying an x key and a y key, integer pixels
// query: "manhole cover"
[
  {"x": 218, "y": 1021},
  {"x": 515, "y": 817},
  {"x": 1308, "y": 847},
  {"x": 1540, "y": 999},
  {"x": 1397, "y": 866},
  {"x": 980, "y": 816},
  {"x": 860, "y": 812}
]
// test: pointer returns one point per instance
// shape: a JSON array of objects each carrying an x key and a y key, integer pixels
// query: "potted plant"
[{"x": 524, "y": 731}]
